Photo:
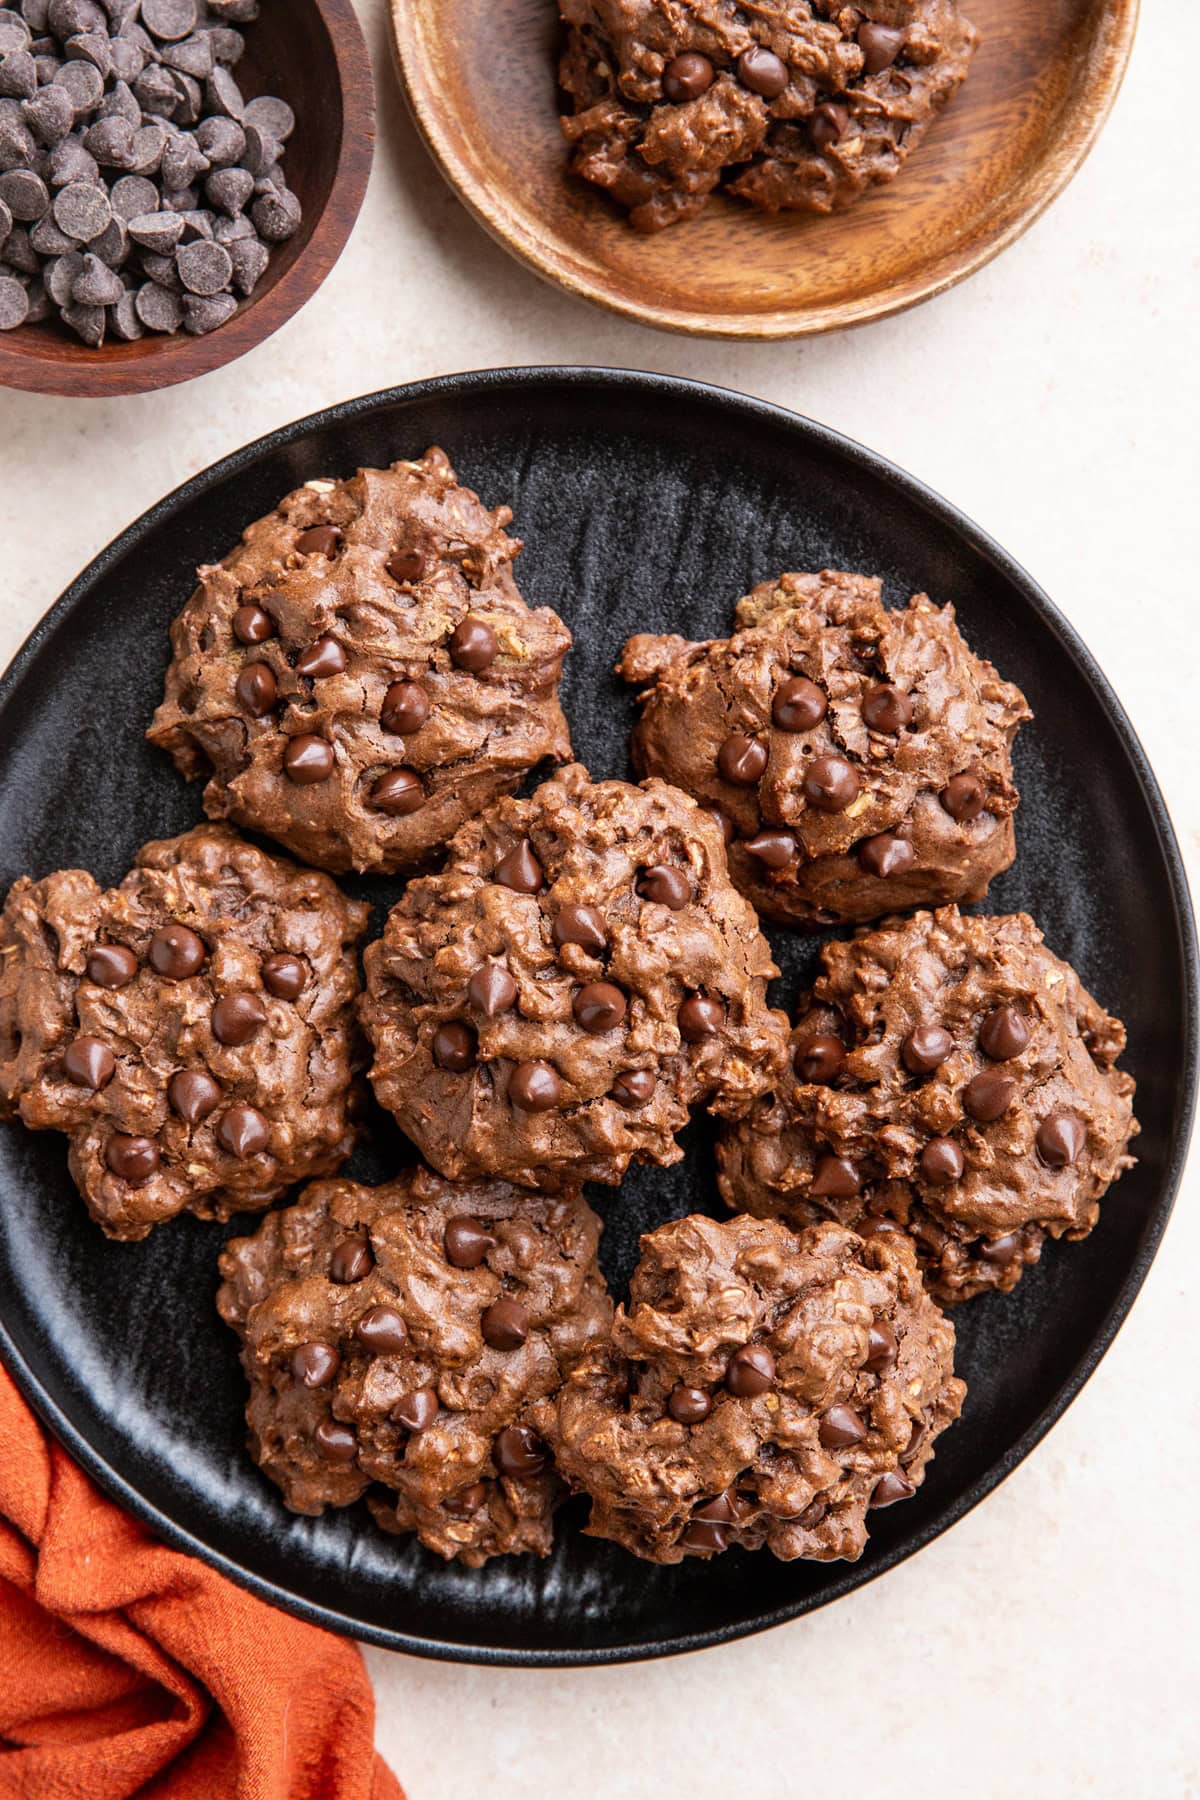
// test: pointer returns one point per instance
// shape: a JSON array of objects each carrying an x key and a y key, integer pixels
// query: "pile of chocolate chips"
[{"x": 139, "y": 191}]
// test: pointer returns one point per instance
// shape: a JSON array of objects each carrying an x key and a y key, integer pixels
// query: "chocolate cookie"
[
  {"x": 403, "y": 1335},
  {"x": 361, "y": 674},
  {"x": 953, "y": 1075},
  {"x": 579, "y": 975},
  {"x": 802, "y": 105},
  {"x": 860, "y": 758},
  {"x": 762, "y": 1388},
  {"x": 192, "y": 1030}
]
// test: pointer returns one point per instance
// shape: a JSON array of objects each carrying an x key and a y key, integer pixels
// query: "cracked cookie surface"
[
  {"x": 402, "y": 1336},
  {"x": 762, "y": 1388},
  {"x": 191, "y": 1030},
  {"x": 952, "y": 1076},
  {"x": 791, "y": 105},
  {"x": 580, "y": 974},
  {"x": 362, "y": 674},
  {"x": 860, "y": 757}
]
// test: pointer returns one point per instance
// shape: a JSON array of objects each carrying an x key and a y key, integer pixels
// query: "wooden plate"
[{"x": 480, "y": 79}]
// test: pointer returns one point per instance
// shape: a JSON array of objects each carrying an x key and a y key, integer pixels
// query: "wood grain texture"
[
  {"x": 312, "y": 54},
  {"x": 480, "y": 80}
]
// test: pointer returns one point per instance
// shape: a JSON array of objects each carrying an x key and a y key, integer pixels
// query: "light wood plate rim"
[{"x": 514, "y": 227}]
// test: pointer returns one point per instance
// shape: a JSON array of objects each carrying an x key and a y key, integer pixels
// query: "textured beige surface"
[{"x": 1047, "y": 1647}]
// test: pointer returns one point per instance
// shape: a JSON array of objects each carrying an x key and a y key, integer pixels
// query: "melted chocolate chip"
[
  {"x": 742, "y": 759},
  {"x": 315, "y": 1365},
  {"x": 819, "y": 1058},
  {"x": 505, "y": 1325},
  {"x": 634, "y": 1088},
  {"x": 840, "y": 1427},
  {"x": 686, "y": 77},
  {"x": 830, "y": 784},
  {"x": 251, "y": 625},
  {"x": 111, "y": 966},
  {"x": 351, "y": 1260},
  {"x": 519, "y": 1452},
  {"x": 535, "y": 1087},
  {"x": 405, "y": 567},
  {"x": 176, "y": 953},
  {"x": 308, "y": 759},
  {"x": 398, "y": 793},
  {"x": 382, "y": 1331},
  {"x": 665, "y": 885},
  {"x": 774, "y": 849},
  {"x": 319, "y": 540},
  {"x": 880, "y": 45},
  {"x": 582, "y": 925},
  {"x": 963, "y": 798},
  {"x": 323, "y": 657},
  {"x": 1004, "y": 1033},
  {"x": 1002, "y": 1249},
  {"x": 236, "y": 1018},
  {"x": 1060, "y": 1140},
  {"x": 405, "y": 708},
  {"x": 455, "y": 1047},
  {"x": 703, "y": 1535},
  {"x": 467, "y": 1501},
  {"x": 243, "y": 1131},
  {"x": 473, "y": 646},
  {"x": 942, "y": 1162},
  {"x": 721, "y": 1511},
  {"x": 520, "y": 869},
  {"x": 882, "y": 1347},
  {"x": 988, "y": 1096},
  {"x": 835, "y": 1178},
  {"x": 599, "y": 1007},
  {"x": 689, "y": 1405},
  {"x": 750, "y": 1372},
  {"x": 762, "y": 72},
  {"x": 889, "y": 1488},
  {"x": 336, "y": 1442},
  {"x": 466, "y": 1242},
  {"x": 416, "y": 1411},
  {"x": 132, "y": 1159},
  {"x": 828, "y": 123},
  {"x": 89, "y": 1063},
  {"x": 283, "y": 976},
  {"x": 700, "y": 1017},
  {"x": 193, "y": 1095},
  {"x": 256, "y": 689},
  {"x": 798, "y": 705},
  {"x": 926, "y": 1049},
  {"x": 886, "y": 855},
  {"x": 491, "y": 990},
  {"x": 886, "y": 708}
]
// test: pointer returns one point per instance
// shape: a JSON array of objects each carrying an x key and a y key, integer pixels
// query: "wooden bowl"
[
  {"x": 480, "y": 79},
  {"x": 312, "y": 54}
]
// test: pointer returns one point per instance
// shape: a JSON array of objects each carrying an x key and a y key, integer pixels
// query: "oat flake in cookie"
[
  {"x": 361, "y": 674},
  {"x": 190, "y": 1030},
  {"x": 402, "y": 1335},
  {"x": 859, "y": 757},
  {"x": 580, "y": 974},
  {"x": 953, "y": 1075},
  {"x": 788, "y": 106},
  {"x": 762, "y": 1388}
]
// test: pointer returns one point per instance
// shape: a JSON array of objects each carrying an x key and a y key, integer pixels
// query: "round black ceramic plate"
[{"x": 644, "y": 503}]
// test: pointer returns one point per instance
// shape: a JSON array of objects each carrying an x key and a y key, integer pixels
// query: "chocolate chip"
[
  {"x": 27, "y": 197},
  {"x": 315, "y": 1365},
  {"x": 284, "y": 976},
  {"x": 686, "y": 77},
  {"x": 398, "y": 793},
  {"x": 170, "y": 19},
  {"x": 323, "y": 657},
  {"x": 14, "y": 303},
  {"x": 534, "y": 1087},
  {"x": 336, "y": 1442},
  {"x": 97, "y": 285},
  {"x": 634, "y": 1088},
  {"x": 721, "y": 821},
  {"x": 1002, "y": 1249},
  {"x": 700, "y": 1017},
  {"x": 229, "y": 189},
  {"x": 472, "y": 645},
  {"x": 840, "y": 1427},
  {"x": 202, "y": 313},
  {"x": 819, "y": 1058},
  {"x": 742, "y": 759},
  {"x": 416, "y": 1411},
  {"x": 762, "y": 72},
  {"x": 880, "y": 45},
  {"x": 405, "y": 567},
  {"x": 111, "y": 966},
  {"x": 175, "y": 953},
  {"x": 889, "y": 1488},
  {"x": 237, "y": 1017},
  {"x": 276, "y": 214},
  {"x": 89, "y": 1063},
  {"x": 269, "y": 114},
  {"x": 405, "y": 708},
  {"x": 1004, "y": 1033},
  {"x": 1060, "y": 1140},
  {"x": 308, "y": 759},
  {"x": 455, "y": 1047},
  {"x": 520, "y": 869},
  {"x": 382, "y": 1331},
  {"x": 963, "y": 798},
  {"x": 319, "y": 540},
  {"x": 193, "y": 1095},
  {"x": 689, "y": 1405},
  {"x": 243, "y": 1131},
  {"x": 599, "y": 1007},
  {"x": 351, "y": 1260},
  {"x": 722, "y": 1510},
  {"x": 701, "y": 1535},
  {"x": 466, "y": 1502},
  {"x": 157, "y": 231},
  {"x": 251, "y": 625},
  {"x": 774, "y": 849},
  {"x": 987, "y": 1096},
  {"x": 491, "y": 990},
  {"x": 519, "y": 1452},
  {"x": 664, "y": 885},
  {"x": 882, "y": 1347},
  {"x": 505, "y": 1325},
  {"x": 83, "y": 212},
  {"x": 886, "y": 855},
  {"x": 887, "y": 708},
  {"x": 466, "y": 1242},
  {"x": 829, "y": 122},
  {"x": 798, "y": 704},
  {"x": 750, "y": 1372},
  {"x": 926, "y": 1049},
  {"x": 942, "y": 1162},
  {"x": 830, "y": 784},
  {"x": 132, "y": 1159},
  {"x": 835, "y": 1178},
  {"x": 256, "y": 689}
]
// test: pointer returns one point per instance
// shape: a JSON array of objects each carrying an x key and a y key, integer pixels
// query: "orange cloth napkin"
[{"x": 127, "y": 1668}]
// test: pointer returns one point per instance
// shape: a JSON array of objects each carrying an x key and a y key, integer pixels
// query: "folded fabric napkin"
[{"x": 127, "y": 1668}]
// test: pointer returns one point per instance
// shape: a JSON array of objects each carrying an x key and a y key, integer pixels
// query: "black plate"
[{"x": 644, "y": 502}]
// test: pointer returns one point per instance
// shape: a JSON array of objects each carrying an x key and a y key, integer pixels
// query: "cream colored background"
[{"x": 1047, "y": 1647}]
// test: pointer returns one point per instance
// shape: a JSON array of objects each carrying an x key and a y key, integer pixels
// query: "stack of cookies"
[{"x": 572, "y": 970}]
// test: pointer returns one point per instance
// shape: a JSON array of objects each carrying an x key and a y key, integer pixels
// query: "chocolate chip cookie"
[
  {"x": 803, "y": 105},
  {"x": 402, "y": 1335},
  {"x": 361, "y": 674},
  {"x": 953, "y": 1075},
  {"x": 192, "y": 1030},
  {"x": 761, "y": 1388},
  {"x": 579, "y": 975},
  {"x": 860, "y": 758}
]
